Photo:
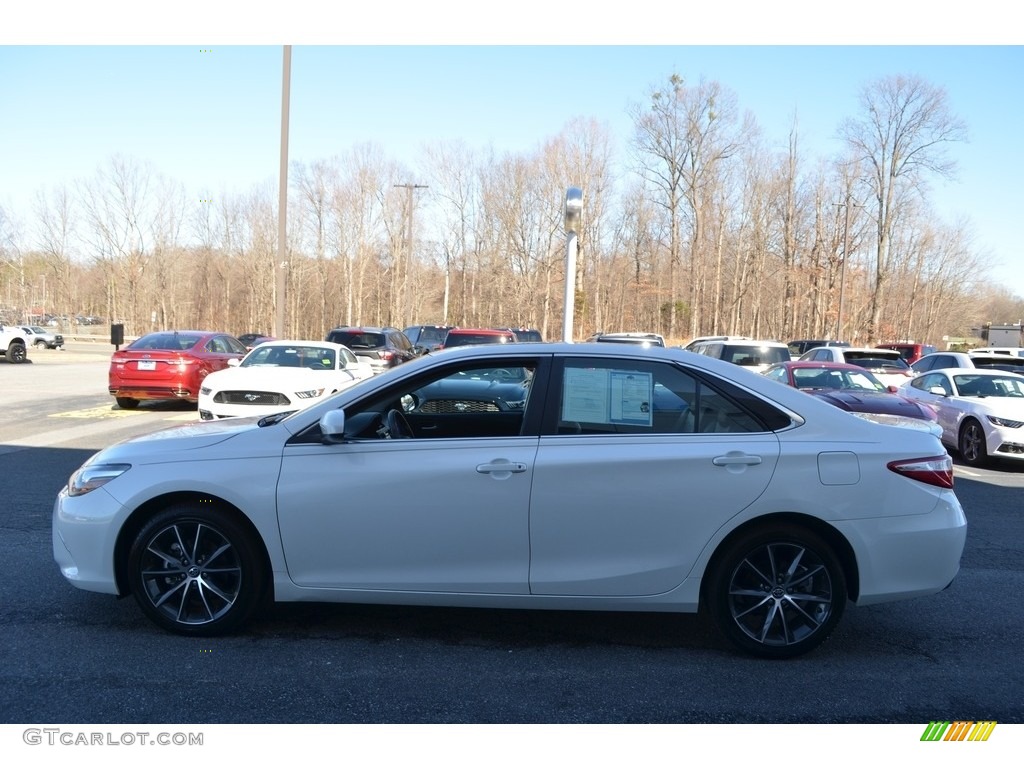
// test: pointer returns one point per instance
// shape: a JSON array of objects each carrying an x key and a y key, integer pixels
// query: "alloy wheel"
[{"x": 191, "y": 573}]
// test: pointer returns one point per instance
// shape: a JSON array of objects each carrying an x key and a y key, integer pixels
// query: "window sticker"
[{"x": 603, "y": 396}]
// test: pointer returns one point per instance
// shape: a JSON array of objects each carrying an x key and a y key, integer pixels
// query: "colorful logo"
[{"x": 961, "y": 730}]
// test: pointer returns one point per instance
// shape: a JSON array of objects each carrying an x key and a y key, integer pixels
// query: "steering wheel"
[
  {"x": 502, "y": 373},
  {"x": 397, "y": 425}
]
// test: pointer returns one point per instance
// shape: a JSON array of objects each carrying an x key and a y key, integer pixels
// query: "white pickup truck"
[{"x": 13, "y": 344}]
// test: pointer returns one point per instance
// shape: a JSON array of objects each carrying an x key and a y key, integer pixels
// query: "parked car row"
[{"x": 255, "y": 374}]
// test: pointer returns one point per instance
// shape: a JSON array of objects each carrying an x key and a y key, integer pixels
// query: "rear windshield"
[
  {"x": 358, "y": 339},
  {"x": 529, "y": 336},
  {"x": 173, "y": 341},
  {"x": 432, "y": 334},
  {"x": 745, "y": 354},
  {"x": 465, "y": 339},
  {"x": 865, "y": 360}
]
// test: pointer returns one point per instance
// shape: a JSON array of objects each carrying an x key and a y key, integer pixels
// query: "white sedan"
[
  {"x": 557, "y": 476},
  {"x": 981, "y": 410},
  {"x": 280, "y": 376}
]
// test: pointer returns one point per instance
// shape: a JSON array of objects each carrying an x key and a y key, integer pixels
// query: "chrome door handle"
[
  {"x": 733, "y": 459},
  {"x": 501, "y": 466}
]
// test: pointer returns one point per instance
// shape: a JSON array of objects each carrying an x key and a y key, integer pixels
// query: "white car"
[
  {"x": 886, "y": 364},
  {"x": 280, "y": 376},
  {"x": 973, "y": 359},
  {"x": 557, "y": 476},
  {"x": 981, "y": 411}
]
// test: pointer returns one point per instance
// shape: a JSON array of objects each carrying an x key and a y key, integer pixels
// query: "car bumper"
[
  {"x": 153, "y": 393},
  {"x": 1005, "y": 443},
  {"x": 214, "y": 411},
  {"x": 907, "y": 556},
  {"x": 83, "y": 539}
]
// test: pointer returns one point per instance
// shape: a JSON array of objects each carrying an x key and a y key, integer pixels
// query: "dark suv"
[
  {"x": 429, "y": 337},
  {"x": 382, "y": 348}
]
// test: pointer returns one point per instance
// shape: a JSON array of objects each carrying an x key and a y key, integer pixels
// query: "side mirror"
[
  {"x": 332, "y": 426},
  {"x": 234, "y": 362},
  {"x": 937, "y": 391}
]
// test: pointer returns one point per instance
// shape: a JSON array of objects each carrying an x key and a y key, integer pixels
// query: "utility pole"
[
  {"x": 281, "y": 272},
  {"x": 842, "y": 269},
  {"x": 407, "y": 266}
]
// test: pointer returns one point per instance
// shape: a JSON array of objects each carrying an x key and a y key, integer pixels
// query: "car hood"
[
  {"x": 870, "y": 402},
  {"x": 175, "y": 443}
]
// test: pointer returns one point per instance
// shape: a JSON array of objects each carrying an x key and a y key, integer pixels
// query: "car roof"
[
  {"x": 484, "y": 331},
  {"x": 831, "y": 365}
]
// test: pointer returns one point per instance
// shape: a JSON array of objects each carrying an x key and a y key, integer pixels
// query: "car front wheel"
[
  {"x": 16, "y": 352},
  {"x": 973, "y": 449},
  {"x": 195, "y": 570},
  {"x": 777, "y": 593},
  {"x": 41, "y": 344}
]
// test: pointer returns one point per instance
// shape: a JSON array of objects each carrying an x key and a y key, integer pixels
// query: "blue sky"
[{"x": 207, "y": 113}]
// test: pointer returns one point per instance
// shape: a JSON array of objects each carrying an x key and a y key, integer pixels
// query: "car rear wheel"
[
  {"x": 972, "y": 445},
  {"x": 194, "y": 570},
  {"x": 128, "y": 403},
  {"x": 777, "y": 593},
  {"x": 16, "y": 352}
]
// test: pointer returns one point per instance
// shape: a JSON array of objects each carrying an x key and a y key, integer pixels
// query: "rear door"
[{"x": 639, "y": 464}]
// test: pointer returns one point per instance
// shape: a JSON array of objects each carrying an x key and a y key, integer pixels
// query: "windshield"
[
  {"x": 824, "y": 378},
  {"x": 978, "y": 385},
  {"x": 290, "y": 357}
]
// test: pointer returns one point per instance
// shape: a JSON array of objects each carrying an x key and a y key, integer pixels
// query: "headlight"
[
  {"x": 1010, "y": 423},
  {"x": 92, "y": 476},
  {"x": 205, "y": 390},
  {"x": 310, "y": 393}
]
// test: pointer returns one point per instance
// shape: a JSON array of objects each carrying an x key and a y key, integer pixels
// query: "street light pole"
[{"x": 573, "y": 214}]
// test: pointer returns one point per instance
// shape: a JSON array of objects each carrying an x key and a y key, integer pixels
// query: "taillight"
[
  {"x": 386, "y": 354},
  {"x": 934, "y": 470}
]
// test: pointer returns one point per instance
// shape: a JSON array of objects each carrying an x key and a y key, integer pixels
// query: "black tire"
[
  {"x": 128, "y": 403},
  {"x": 971, "y": 444},
  {"x": 194, "y": 570},
  {"x": 777, "y": 592},
  {"x": 41, "y": 344},
  {"x": 16, "y": 353}
]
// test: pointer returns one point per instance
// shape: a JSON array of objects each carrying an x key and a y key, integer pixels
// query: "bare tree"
[
  {"x": 901, "y": 138},
  {"x": 56, "y": 219},
  {"x": 682, "y": 141}
]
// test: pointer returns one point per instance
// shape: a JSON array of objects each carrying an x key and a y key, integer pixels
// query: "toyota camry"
[{"x": 551, "y": 476}]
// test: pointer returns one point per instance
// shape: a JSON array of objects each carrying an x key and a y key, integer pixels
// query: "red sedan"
[
  {"x": 849, "y": 387},
  {"x": 169, "y": 365}
]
